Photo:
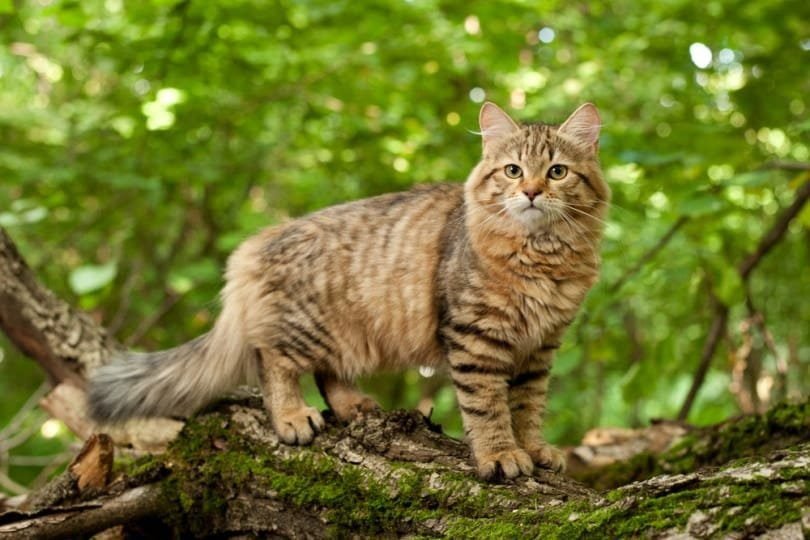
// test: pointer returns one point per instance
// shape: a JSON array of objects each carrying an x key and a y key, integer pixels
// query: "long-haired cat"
[{"x": 483, "y": 277}]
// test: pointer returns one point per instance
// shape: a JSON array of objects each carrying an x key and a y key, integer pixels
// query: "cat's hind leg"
[
  {"x": 279, "y": 371},
  {"x": 345, "y": 400}
]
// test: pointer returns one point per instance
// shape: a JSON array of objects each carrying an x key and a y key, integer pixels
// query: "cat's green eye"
[
  {"x": 513, "y": 171},
  {"x": 557, "y": 172}
]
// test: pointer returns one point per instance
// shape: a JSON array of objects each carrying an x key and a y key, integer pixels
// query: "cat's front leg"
[
  {"x": 481, "y": 365},
  {"x": 527, "y": 402}
]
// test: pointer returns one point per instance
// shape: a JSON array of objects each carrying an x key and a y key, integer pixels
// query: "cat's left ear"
[{"x": 583, "y": 126}]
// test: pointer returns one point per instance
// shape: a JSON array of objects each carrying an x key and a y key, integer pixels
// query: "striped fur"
[{"x": 462, "y": 275}]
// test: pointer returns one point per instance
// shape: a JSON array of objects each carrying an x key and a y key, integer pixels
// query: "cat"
[{"x": 484, "y": 276}]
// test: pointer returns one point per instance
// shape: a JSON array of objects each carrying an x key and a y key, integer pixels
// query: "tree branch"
[
  {"x": 649, "y": 254},
  {"x": 776, "y": 232},
  {"x": 770, "y": 239},
  {"x": 718, "y": 329}
]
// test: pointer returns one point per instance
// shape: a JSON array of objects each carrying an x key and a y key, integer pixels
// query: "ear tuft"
[
  {"x": 583, "y": 126},
  {"x": 495, "y": 124}
]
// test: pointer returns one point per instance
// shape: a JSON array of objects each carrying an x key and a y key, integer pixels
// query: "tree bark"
[{"x": 384, "y": 474}]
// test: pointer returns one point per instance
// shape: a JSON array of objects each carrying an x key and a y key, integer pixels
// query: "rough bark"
[{"x": 390, "y": 474}]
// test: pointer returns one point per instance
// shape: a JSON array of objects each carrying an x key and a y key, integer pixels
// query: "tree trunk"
[{"x": 385, "y": 474}]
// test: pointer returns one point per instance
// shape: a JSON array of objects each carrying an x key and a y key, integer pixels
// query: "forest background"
[{"x": 140, "y": 142}]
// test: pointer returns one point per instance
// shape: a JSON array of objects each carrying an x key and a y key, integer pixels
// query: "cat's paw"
[
  {"x": 548, "y": 457},
  {"x": 499, "y": 466},
  {"x": 351, "y": 406},
  {"x": 298, "y": 426}
]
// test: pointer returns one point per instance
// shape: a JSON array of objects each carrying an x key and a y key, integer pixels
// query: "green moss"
[
  {"x": 783, "y": 426},
  {"x": 210, "y": 465},
  {"x": 752, "y": 507}
]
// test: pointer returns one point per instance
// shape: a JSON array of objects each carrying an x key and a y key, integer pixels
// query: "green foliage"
[{"x": 141, "y": 141}]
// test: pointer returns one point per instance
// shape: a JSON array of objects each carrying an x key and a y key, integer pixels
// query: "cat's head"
[{"x": 537, "y": 177}]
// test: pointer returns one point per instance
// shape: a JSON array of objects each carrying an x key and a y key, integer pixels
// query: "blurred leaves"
[{"x": 85, "y": 279}]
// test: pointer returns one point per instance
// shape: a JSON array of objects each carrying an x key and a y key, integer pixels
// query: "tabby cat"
[{"x": 484, "y": 276}]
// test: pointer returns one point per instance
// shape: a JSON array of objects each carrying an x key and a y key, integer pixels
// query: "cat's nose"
[{"x": 532, "y": 193}]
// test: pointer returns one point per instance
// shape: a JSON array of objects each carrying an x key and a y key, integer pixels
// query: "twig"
[
  {"x": 28, "y": 406},
  {"x": 776, "y": 232},
  {"x": 768, "y": 241},
  {"x": 88, "y": 518},
  {"x": 787, "y": 165},
  {"x": 649, "y": 254},
  {"x": 11, "y": 486},
  {"x": 168, "y": 303},
  {"x": 718, "y": 329},
  {"x": 36, "y": 461}
]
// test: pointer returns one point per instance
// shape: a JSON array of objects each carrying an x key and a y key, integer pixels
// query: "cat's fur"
[{"x": 467, "y": 275}]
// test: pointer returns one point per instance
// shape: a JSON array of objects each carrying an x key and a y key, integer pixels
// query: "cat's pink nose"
[{"x": 531, "y": 194}]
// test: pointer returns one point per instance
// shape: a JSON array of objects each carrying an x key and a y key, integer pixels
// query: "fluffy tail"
[{"x": 175, "y": 382}]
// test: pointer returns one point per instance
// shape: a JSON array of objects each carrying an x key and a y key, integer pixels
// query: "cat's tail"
[{"x": 174, "y": 382}]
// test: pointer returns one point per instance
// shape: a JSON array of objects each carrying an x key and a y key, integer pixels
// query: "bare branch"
[
  {"x": 770, "y": 239},
  {"x": 649, "y": 254},
  {"x": 787, "y": 165},
  {"x": 84, "y": 519},
  {"x": 718, "y": 329},
  {"x": 776, "y": 232}
]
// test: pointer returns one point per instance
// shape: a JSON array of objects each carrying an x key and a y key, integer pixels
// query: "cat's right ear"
[{"x": 495, "y": 124}]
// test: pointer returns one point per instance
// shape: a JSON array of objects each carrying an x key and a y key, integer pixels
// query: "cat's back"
[{"x": 373, "y": 261}]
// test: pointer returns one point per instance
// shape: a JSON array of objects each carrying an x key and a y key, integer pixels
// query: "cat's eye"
[
  {"x": 557, "y": 172},
  {"x": 513, "y": 171}
]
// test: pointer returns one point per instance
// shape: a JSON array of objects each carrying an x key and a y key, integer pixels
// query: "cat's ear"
[
  {"x": 583, "y": 126},
  {"x": 495, "y": 124}
]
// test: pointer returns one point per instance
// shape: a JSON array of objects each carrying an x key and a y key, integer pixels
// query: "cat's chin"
[{"x": 534, "y": 219}]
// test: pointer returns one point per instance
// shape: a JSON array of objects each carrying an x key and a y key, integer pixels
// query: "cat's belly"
[{"x": 370, "y": 343}]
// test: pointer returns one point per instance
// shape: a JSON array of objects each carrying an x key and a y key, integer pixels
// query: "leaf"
[
  {"x": 701, "y": 205},
  {"x": 730, "y": 288},
  {"x": 89, "y": 278}
]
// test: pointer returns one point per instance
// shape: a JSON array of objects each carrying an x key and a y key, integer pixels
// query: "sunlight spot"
[
  {"x": 369, "y": 47},
  {"x": 401, "y": 164},
  {"x": 663, "y": 129},
  {"x": 667, "y": 101},
  {"x": 737, "y": 119},
  {"x": 726, "y": 56},
  {"x": 51, "y": 428},
  {"x": 141, "y": 86},
  {"x": 701, "y": 55},
  {"x": 800, "y": 152},
  {"x": 613, "y": 231},
  {"x": 546, "y": 34},
  {"x": 572, "y": 87},
  {"x": 124, "y": 125},
  {"x": 659, "y": 200},
  {"x": 426, "y": 371},
  {"x": 2, "y": 355},
  {"x": 169, "y": 96},
  {"x": 517, "y": 98},
  {"x": 720, "y": 172},
  {"x": 472, "y": 25},
  {"x": 796, "y": 106},
  {"x": 453, "y": 118},
  {"x": 626, "y": 174},
  {"x": 805, "y": 44},
  {"x": 477, "y": 95}
]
